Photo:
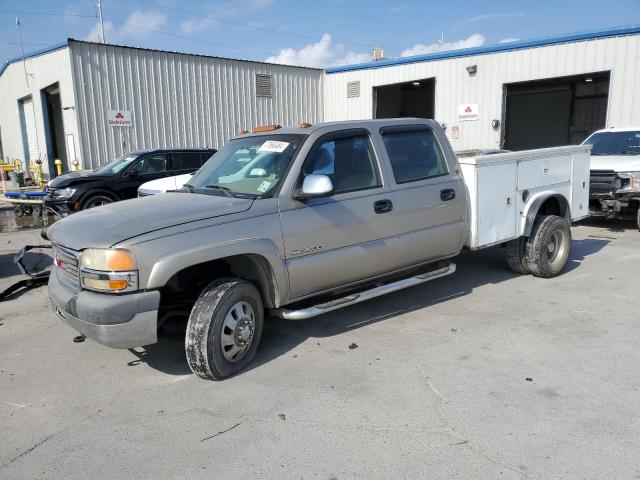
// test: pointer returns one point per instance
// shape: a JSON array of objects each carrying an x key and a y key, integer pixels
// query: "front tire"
[
  {"x": 224, "y": 329},
  {"x": 549, "y": 246},
  {"x": 638, "y": 218},
  {"x": 96, "y": 201}
]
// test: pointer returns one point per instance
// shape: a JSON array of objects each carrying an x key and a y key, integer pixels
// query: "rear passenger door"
[
  {"x": 428, "y": 195},
  {"x": 341, "y": 238}
]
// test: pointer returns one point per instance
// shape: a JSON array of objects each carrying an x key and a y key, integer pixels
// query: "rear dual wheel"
[{"x": 546, "y": 252}]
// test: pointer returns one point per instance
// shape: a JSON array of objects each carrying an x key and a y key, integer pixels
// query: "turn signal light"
[{"x": 266, "y": 128}]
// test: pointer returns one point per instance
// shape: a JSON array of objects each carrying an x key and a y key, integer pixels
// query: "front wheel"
[
  {"x": 224, "y": 328},
  {"x": 638, "y": 218},
  {"x": 549, "y": 246},
  {"x": 96, "y": 201}
]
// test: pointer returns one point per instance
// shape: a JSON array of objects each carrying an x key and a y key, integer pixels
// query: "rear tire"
[
  {"x": 638, "y": 218},
  {"x": 96, "y": 201},
  {"x": 224, "y": 329},
  {"x": 517, "y": 256},
  {"x": 549, "y": 246}
]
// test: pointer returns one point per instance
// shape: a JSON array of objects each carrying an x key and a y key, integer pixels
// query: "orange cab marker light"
[
  {"x": 265, "y": 128},
  {"x": 304, "y": 125}
]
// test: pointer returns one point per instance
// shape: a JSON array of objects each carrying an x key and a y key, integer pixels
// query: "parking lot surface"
[{"x": 483, "y": 374}]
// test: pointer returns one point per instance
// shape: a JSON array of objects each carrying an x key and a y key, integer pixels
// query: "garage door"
[{"x": 29, "y": 134}]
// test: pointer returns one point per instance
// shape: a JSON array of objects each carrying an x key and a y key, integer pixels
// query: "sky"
[{"x": 311, "y": 33}]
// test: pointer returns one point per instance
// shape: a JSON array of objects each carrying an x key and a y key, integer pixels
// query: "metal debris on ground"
[
  {"x": 282, "y": 416},
  {"x": 353, "y": 346},
  {"x": 220, "y": 433},
  {"x": 529, "y": 379},
  {"x": 34, "y": 280},
  {"x": 79, "y": 339}
]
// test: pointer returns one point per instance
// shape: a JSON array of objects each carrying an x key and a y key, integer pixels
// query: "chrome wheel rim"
[
  {"x": 556, "y": 247},
  {"x": 98, "y": 202},
  {"x": 238, "y": 329}
]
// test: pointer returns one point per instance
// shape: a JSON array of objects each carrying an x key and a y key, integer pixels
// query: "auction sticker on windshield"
[{"x": 273, "y": 146}]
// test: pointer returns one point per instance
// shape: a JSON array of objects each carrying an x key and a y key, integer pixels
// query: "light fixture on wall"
[
  {"x": 472, "y": 69},
  {"x": 495, "y": 124},
  {"x": 416, "y": 84}
]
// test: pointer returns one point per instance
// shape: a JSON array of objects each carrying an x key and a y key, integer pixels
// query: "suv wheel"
[
  {"x": 638, "y": 218},
  {"x": 549, "y": 246},
  {"x": 224, "y": 329},
  {"x": 96, "y": 201}
]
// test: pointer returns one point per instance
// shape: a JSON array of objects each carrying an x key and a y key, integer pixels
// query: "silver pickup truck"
[{"x": 300, "y": 221}]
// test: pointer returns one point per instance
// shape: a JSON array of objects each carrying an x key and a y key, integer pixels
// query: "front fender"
[{"x": 180, "y": 259}]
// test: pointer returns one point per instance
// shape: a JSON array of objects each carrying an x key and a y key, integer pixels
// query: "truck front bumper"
[{"x": 117, "y": 321}]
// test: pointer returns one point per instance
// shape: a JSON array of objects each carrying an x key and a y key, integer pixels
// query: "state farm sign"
[
  {"x": 468, "y": 112},
  {"x": 119, "y": 118}
]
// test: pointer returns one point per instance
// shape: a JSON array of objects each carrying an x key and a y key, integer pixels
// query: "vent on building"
[
  {"x": 263, "y": 85},
  {"x": 353, "y": 89}
]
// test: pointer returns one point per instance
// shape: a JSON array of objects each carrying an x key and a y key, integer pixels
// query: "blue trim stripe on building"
[
  {"x": 502, "y": 47},
  {"x": 35, "y": 53}
]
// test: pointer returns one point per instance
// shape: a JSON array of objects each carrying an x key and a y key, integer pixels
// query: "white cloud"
[
  {"x": 149, "y": 20},
  {"x": 224, "y": 10},
  {"x": 320, "y": 54},
  {"x": 475, "y": 40},
  {"x": 508, "y": 40},
  {"x": 489, "y": 16}
]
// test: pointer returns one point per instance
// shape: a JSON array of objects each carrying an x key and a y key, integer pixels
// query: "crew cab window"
[
  {"x": 186, "y": 160},
  {"x": 414, "y": 155},
  {"x": 349, "y": 162},
  {"x": 155, "y": 163}
]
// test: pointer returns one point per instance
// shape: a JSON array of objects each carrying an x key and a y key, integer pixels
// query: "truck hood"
[
  {"x": 617, "y": 163},
  {"x": 107, "y": 225}
]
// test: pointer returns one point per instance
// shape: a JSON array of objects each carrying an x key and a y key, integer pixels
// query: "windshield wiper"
[
  {"x": 188, "y": 186},
  {"x": 225, "y": 190}
]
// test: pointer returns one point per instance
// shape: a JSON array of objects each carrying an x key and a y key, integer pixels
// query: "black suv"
[{"x": 120, "y": 179}]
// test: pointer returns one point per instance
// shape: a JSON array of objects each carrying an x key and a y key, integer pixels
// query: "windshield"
[
  {"x": 615, "y": 143},
  {"x": 250, "y": 166},
  {"x": 115, "y": 166}
]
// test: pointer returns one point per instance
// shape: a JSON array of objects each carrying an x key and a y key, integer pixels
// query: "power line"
[
  {"x": 173, "y": 35},
  {"x": 254, "y": 27},
  {"x": 24, "y": 43}
]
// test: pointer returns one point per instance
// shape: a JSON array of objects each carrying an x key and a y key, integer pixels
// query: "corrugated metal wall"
[
  {"x": 620, "y": 55},
  {"x": 180, "y": 100},
  {"x": 43, "y": 70}
]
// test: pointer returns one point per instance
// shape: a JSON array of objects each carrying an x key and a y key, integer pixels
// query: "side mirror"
[{"x": 314, "y": 186}]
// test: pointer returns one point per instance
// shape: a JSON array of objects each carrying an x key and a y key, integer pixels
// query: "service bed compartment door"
[
  {"x": 495, "y": 215},
  {"x": 541, "y": 172}
]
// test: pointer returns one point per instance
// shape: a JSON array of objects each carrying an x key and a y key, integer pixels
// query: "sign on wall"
[
  {"x": 119, "y": 118},
  {"x": 468, "y": 112}
]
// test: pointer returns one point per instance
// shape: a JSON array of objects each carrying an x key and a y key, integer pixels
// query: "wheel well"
[
  {"x": 182, "y": 289},
  {"x": 550, "y": 205}
]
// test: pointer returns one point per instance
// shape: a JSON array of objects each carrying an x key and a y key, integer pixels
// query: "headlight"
[
  {"x": 64, "y": 193},
  {"x": 632, "y": 184},
  {"x": 108, "y": 270}
]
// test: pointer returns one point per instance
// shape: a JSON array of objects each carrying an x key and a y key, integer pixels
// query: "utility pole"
[
  {"x": 441, "y": 42},
  {"x": 99, "y": 13},
  {"x": 24, "y": 61}
]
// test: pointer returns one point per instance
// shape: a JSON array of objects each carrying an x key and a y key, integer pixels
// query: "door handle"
[
  {"x": 383, "y": 206},
  {"x": 447, "y": 194}
]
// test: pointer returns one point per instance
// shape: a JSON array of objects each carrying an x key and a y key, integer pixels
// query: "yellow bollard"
[
  {"x": 74, "y": 165},
  {"x": 58, "y": 164},
  {"x": 39, "y": 179}
]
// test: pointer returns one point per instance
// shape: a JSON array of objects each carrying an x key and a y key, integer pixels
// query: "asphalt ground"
[{"x": 483, "y": 374}]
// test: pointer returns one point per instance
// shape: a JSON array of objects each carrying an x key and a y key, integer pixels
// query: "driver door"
[
  {"x": 147, "y": 168},
  {"x": 339, "y": 239}
]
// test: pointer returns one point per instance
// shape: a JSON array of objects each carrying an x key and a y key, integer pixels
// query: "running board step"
[{"x": 354, "y": 298}]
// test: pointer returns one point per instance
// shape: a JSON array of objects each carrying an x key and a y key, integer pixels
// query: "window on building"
[
  {"x": 349, "y": 162},
  {"x": 414, "y": 155}
]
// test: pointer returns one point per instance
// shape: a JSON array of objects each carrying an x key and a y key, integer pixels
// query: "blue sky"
[{"x": 313, "y": 33}]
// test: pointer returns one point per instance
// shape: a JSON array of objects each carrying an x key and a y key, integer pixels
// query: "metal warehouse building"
[
  {"x": 517, "y": 95},
  {"x": 91, "y": 102}
]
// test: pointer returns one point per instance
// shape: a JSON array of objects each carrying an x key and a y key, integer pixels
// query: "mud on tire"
[
  {"x": 227, "y": 316},
  {"x": 549, "y": 246}
]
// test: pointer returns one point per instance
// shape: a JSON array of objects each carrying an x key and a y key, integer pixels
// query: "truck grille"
[
  {"x": 67, "y": 263},
  {"x": 604, "y": 182}
]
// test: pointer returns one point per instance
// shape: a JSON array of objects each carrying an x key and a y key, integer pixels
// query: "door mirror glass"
[{"x": 315, "y": 186}]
